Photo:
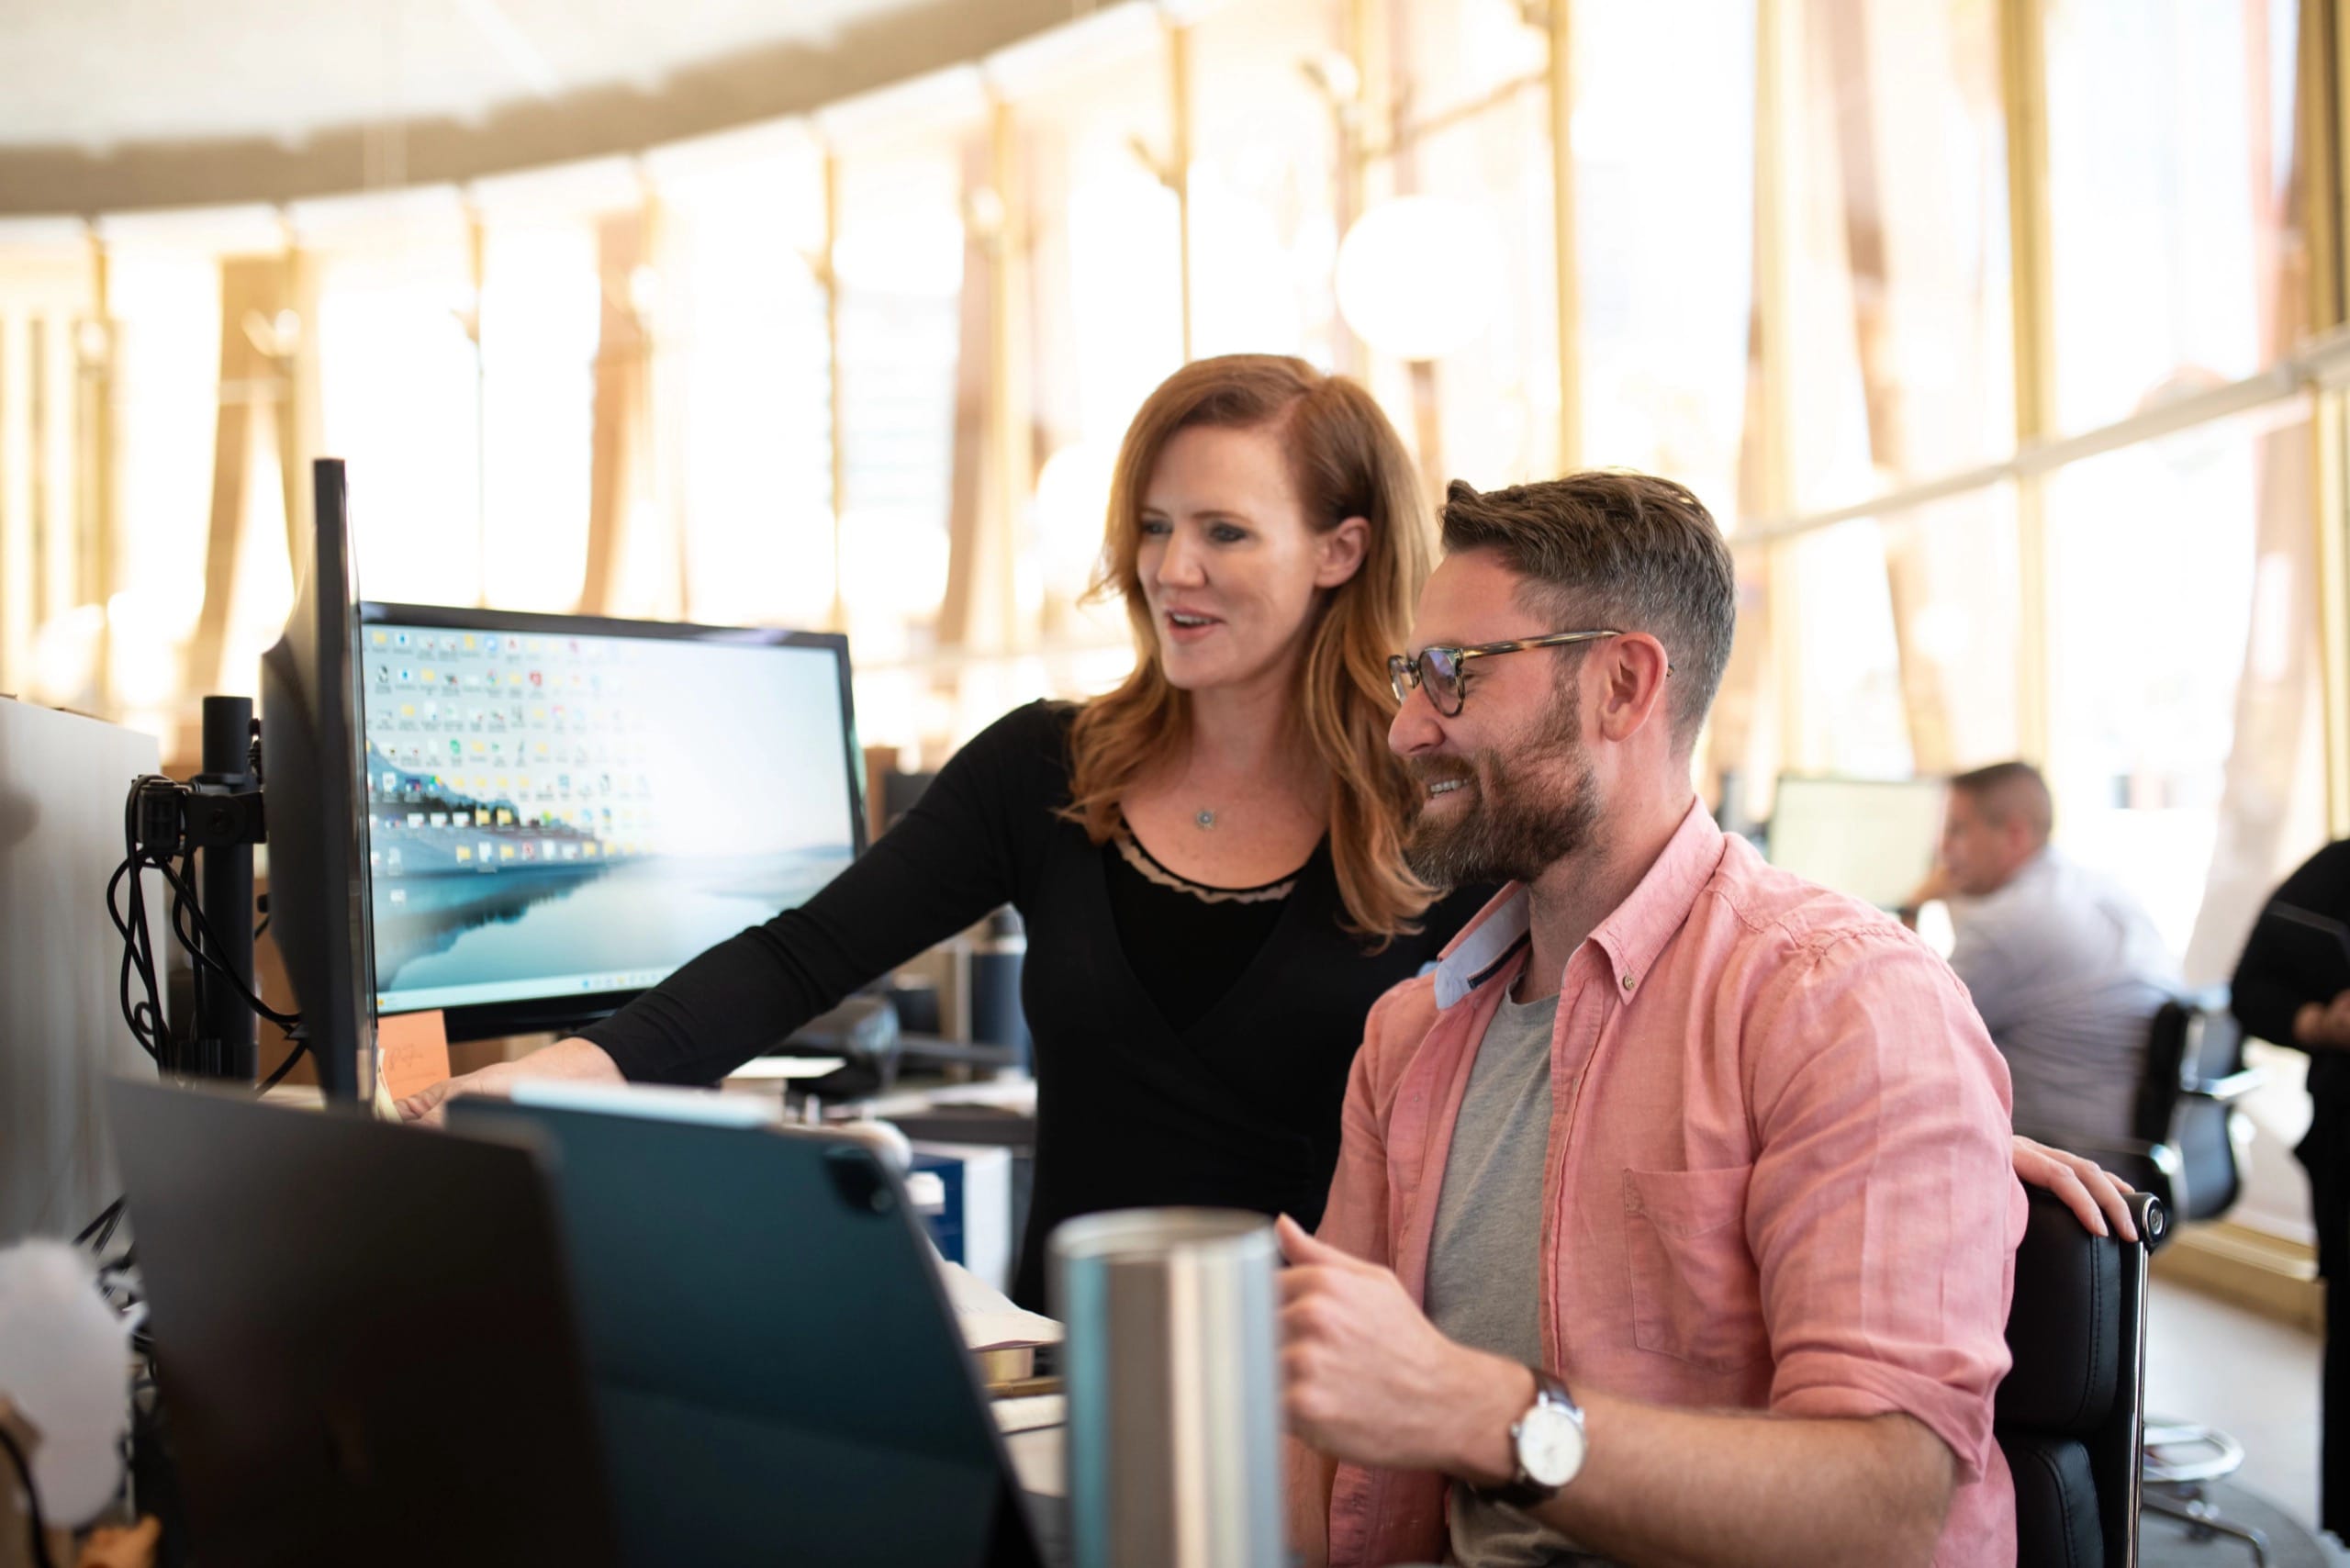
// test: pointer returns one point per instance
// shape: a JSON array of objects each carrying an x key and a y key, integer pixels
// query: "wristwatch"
[{"x": 1548, "y": 1443}]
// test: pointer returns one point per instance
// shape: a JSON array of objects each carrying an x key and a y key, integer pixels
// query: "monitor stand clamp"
[{"x": 219, "y": 813}]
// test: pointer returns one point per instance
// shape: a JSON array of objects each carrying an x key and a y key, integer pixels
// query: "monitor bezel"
[
  {"x": 313, "y": 762},
  {"x": 574, "y": 1010}
]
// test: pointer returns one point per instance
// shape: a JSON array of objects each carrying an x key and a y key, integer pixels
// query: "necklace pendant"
[{"x": 1206, "y": 818}]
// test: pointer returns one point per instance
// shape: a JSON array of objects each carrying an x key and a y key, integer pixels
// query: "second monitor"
[
  {"x": 1874, "y": 839},
  {"x": 563, "y": 809}
]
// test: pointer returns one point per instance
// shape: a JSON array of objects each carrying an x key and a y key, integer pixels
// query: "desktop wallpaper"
[{"x": 553, "y": 814}]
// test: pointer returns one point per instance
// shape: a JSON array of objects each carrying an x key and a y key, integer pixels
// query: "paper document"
[
  {"x": 1028, "y": 1415},
  {"x": 768, "y": 1070},
  {"x": 1040, "y": 1459},
  {"x": 989, "y": 1319}
]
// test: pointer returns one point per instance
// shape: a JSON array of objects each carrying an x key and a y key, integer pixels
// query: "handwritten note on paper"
[{"x": 412, "y": 1052}]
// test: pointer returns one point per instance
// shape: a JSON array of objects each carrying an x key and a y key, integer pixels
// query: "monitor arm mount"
[{"x": 220, "y": 815}]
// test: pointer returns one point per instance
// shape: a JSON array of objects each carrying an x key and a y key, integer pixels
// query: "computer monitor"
[
  {"x": 312, "y": 757},
  {"x": 1871, "y": 838},
  {"x": 562, "y": 810}
]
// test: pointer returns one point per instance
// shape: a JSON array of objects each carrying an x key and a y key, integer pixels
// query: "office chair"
[
  {"x": 2186, "y": 1149},
  {"x": 2071, "y": 1410}
]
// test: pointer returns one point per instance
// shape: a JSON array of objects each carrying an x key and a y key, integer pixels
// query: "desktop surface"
[{"x": 561, "y": 811}]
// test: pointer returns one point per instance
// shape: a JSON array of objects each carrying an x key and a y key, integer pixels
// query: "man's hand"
[
  {"x": 2325, "y": 1023},
  {"x": 1933, "y": 889},
  {"x": 1367, "y": 1378},
  {"x": 573, "y": 1059},
  {"x": 2094, "y": 1193}
]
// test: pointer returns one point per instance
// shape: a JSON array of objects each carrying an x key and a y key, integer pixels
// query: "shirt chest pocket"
[{"x": 1696, "y": 1293}]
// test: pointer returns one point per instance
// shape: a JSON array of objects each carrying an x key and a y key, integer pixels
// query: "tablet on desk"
[
  {"x": 2316, "y": 948},
  {"x": 777, "y": 1373}
]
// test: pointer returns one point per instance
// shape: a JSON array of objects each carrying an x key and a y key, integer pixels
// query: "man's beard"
[{"x": 1524, "y": 812}]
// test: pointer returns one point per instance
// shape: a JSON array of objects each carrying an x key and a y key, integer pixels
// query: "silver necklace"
[{"x": 1205, "y": 819}]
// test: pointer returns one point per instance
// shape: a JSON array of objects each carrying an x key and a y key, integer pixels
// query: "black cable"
[
  {"x": 137, "y": 953},
  {"x": 32, "y": 1501},
  {"x": 145, "y": 1018},
  {"x": 204, "y": 956},
  {"x": 142, "y": 1016},
  {"x": 183, "y": 904},
  {"x": 105, "y": 1217},
  {"x": 107, "y": 1234},
  {"x": 301, "y": 1049}
]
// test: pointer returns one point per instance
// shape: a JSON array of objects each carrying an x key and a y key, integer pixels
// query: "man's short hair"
[
  {"x": 2006, "y": 790},
  {"x": 1611, "y": 548}
]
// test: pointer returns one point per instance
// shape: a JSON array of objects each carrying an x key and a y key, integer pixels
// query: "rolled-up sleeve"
[
  {"x": 1355, "y": 1219},
  {"x": 1884, "y": 1211}
]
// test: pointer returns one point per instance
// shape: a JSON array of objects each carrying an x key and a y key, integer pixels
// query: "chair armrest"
[
  {"x": 2205, "y": 998},
  {"x": 2227, "y": 1089}
]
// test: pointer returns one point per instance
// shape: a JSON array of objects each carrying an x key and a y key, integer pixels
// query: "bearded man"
[{"x": 1674, "y": 1219}]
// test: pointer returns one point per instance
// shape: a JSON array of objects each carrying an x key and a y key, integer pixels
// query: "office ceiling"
[
  {"x": 94, "y": 74},
  {"x": 107, "y": 104}
]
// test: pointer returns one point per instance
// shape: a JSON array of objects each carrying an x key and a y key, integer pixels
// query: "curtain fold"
[
  {"x": 2269, "y": 814},
  {"x": 619, "y": 460},
  {"x": 260, "y": 361}
]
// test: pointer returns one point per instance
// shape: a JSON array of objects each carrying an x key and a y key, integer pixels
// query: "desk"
[{"x": 1035, "y": 1431}]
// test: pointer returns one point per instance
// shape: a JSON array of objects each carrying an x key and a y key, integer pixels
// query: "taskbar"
[{"x": 487, "y": 993}]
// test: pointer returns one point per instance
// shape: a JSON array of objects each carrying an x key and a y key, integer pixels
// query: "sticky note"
[{"x": 413, "y": 1051}]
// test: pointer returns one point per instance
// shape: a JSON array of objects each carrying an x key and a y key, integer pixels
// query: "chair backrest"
[
  {"x": 2193, "y": 1049},
  {"x": 2070, "y": 1416},
  {"x": 2167, "y": 1046},
  {"x": 2211, "y": 1177}
]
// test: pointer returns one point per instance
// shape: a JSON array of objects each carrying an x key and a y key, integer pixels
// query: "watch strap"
[{"x": 1521, "y": 1489}]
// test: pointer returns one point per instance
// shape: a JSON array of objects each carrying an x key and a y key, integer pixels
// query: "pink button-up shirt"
[{"x": 1779, "y": 1177}]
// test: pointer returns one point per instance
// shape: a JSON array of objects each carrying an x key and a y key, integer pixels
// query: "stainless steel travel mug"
[{"x": 1174, "y": 1390}]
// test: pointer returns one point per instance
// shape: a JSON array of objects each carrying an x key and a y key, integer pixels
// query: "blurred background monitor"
[
  {"x": 562, "y": 810},
  {"x": 311, "y": 768},
  {"x": 1871, "y": 838},
  {"x": 61, "y": 1032}
]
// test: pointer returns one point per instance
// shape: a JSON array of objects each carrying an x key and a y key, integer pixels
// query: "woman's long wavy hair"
[{"x": 1345, "y": 461}]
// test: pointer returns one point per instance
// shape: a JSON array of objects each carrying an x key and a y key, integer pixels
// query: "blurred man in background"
[{"x": 2065, "y": 968}]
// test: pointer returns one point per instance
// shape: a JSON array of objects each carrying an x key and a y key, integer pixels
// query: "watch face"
[{"x": 1550, "y": 1445}]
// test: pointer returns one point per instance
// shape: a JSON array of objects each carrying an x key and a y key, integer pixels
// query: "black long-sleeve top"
[
  {"x": 2268, "y": 991},
  {"x": 1237, "y": 1108}
]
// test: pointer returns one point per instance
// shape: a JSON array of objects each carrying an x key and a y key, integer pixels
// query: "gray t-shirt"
[{"x": 1485, "y": 1259}]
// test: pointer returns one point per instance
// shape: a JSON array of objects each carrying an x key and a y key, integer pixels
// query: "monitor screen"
[
  {"x": 563, "y": 809},
  {"x": 1874, "y": 839}
]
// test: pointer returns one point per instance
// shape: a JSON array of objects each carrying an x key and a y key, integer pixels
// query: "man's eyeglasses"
[{"x": 1436, "y": 670}]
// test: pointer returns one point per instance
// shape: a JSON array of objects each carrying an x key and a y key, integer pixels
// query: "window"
[
  {"x": 1903, "y": 335},
  {"x": 1664, "y": 223},
  {"x": 2170, "y": 137},
  {"x": 743, "y": 384},
  {"x": 2153, "y": 567}
]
